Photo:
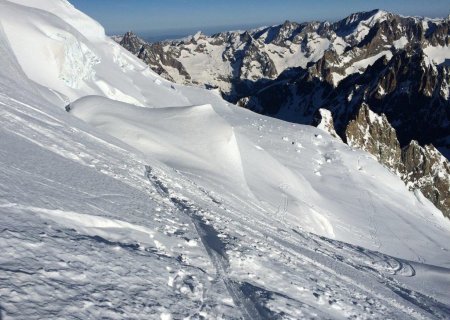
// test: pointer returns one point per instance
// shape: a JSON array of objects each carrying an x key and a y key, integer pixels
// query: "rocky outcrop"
[
  {"x": 427, "y": 170},
  {"x": 374, "y": 134},
  {"x": 324, "y": 121},
  {"x": 154, "y": 55},
  {"x": 131, "y": 42},
  {"x": 411, "y": 91},
  {"x": 421, "y": 168}
]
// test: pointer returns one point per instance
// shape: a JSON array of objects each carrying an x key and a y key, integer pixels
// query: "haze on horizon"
[{"x": 170, "y": 17}]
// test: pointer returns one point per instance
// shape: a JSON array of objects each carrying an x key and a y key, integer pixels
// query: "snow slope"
[
  {"x": 75, "y": 58},
  {"x": 182, "y": 206},
  {"x": 292, "y": 172}
]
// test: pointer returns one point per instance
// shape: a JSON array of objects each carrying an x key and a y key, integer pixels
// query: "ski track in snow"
[
  {"x": 176, "y": 214},
  {"x": 360, "y": 259},
  {"x": 213, "y": 246},
  {"x": 304, "y": 254},
  {"x": 308, "y": 256}
]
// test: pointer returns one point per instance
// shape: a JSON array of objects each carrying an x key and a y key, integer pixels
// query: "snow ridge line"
[{"x": 214, "y": 247}]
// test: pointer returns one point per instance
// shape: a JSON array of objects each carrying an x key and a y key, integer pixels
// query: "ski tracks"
[
  {"x": 329, "y": 259},
  {"x": 212, "y": 243}
]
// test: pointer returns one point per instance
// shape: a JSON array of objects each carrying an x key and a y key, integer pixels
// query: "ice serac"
[
  {"x": 75, "y": 57},
  {"x": 150, "y": 199}
]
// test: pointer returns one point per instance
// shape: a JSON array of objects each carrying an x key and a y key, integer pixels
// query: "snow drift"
[{"x": 153, "y": 200}]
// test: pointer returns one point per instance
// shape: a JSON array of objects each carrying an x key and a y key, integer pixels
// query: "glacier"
[{"x": 151, "y": 200}]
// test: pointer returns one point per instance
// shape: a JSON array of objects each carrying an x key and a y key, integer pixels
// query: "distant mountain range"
[
  {"x": 126, "y": 196},
  {"x": 389, "y": 64},
  {"x": 398, "y": 65}
]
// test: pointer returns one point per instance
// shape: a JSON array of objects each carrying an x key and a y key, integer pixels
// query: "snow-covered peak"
[
  {"x": 357, "y": 25},
  {"x": 154, "y": 200},
  {"x": 369, "y": 17},
  {"x": 438, "y": 55},
  {"x": 199, "y": 35},
  {"x": 378, "y": 16},
  {"x": 63, "y": 9},
  {"x": 62, "y": 49}
]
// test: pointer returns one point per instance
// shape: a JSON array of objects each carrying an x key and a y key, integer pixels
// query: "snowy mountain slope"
[
  {"x": 67, "y": 12},
  {"x": 83, "y": 235},
  {"x": 237, "y": 62},
  {"x": 204, "y": 210},
  {"x": 396, "y": 64},
  {"x": 290, "y": 171},
  {"x": 71, "y": 220},
  {"x": 76, "y": 64}
]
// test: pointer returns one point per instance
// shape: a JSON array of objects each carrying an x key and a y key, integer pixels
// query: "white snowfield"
[{"x": 150, "y": 200}]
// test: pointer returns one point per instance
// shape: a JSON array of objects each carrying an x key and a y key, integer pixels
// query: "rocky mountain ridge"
[
  {"x": 322, "y": 73},
  {"x": 398, "y": 65},
  {"x": 421, "y": 168},
  {"x": 153, "y": 200}
]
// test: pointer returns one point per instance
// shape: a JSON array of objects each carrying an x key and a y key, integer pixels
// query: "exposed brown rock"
[
  {"x": 132, "y": 42},
  {"x": 373, "y": 133},
  {"x": 428, "y": 170},
  {"x": 422, "y": 168}
]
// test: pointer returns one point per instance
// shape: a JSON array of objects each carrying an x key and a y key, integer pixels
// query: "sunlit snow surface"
[{"x": 191, "y": 208}]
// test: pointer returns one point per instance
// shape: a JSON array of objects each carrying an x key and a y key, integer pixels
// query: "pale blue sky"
[{"x": 161, "y": 17}]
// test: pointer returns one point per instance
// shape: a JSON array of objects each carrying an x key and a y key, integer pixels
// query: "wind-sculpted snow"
[
  {"x": 63, "y": 50},
  {"x": 194, "y": 139},
  {"x": 67, "y": 12},
  {"x": 291, "y": 171},
  {"x": 195, "y": 209}
]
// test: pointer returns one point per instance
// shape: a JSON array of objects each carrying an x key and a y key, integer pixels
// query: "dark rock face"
[
  {"x": 427, "y": 170},
  {"x": 413, "y": 95},
  {"x": 374, "y": 134},
  {"x": 132, "y": 42},
  {"x": 152, "y": 54},
  {"x": 422, "y": 168}
]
